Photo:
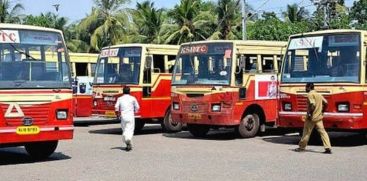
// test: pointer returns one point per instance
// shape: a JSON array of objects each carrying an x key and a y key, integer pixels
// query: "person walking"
[
  {"x": 316, "y": 104},
  {"x": 125, "y": 107}
]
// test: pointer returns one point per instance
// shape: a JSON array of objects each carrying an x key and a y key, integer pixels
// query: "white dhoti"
[{"x": 128, "y": 126}]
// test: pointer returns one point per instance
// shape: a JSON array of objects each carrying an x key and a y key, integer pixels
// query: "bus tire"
[
  {"x": 249, "y": 125},
  {"x": 169, "y": 125},
  {"x": 198, "y": 130},
  {"x": 139, "y": 124},
  {"x": 41, "y": 150}
]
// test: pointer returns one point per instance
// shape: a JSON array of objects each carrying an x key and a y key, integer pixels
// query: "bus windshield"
[
  {"x": 119, "y": 66},
  {"x": 323, "y": 59},
  {"x": 208, "y": 64},
  {"x": 33, "y": 59}
]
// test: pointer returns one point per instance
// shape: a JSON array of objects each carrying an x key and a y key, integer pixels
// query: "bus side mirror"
[
  {"x": 75, "y": 86},
  {"x": 148, "y": 62},
  {"x": 242, "y": 93}
]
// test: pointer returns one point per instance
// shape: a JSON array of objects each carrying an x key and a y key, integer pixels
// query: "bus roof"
[
  {"x": 143, "y": 45},
  {"x": 243, "y": 42},
  {"x": 28, "y": 27},
  {"x": 330, "y": 32}
]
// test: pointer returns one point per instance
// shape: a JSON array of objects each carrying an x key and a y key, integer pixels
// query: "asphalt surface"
[{"x": 97, "y": 153}]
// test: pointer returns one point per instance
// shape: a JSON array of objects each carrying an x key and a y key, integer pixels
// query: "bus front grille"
[
  {"x": 301, "y": 103},
  {"x": 38, "y": 112}
]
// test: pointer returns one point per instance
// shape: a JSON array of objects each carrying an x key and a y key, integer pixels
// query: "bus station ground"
[{"x": 97, "y": 153}]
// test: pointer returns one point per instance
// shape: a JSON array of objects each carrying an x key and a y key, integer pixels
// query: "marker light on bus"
[
  {"x": 287, "y": 106},
  {"x": 176, "y": 106},
  {"x": 216, "y": 107},
  {"x": 61, "y": 114},
  {"x": 343, "y": 107}
]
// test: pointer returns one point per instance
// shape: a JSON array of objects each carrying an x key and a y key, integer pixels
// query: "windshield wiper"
[{"x": 21, "y": 52}]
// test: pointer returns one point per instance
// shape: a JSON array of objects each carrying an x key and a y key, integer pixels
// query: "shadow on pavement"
[
  {"x": 339, "y": 139},
  {"x": 223, "y": 134},
  {"x": 17, "y": 155},
  {"x": 94, "y": 123},
  {"x": 151, "y": 129}
]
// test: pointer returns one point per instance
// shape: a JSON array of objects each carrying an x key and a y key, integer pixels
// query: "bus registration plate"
[
  {"x": 110, "y": 114},
  {"x": 194, "y": 116},
  {"x": 27, "y": 130}
]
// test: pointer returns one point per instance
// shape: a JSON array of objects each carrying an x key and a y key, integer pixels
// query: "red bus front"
[
  {"x": 35, "y": 89},
  {"x": 333, "y": 63}
]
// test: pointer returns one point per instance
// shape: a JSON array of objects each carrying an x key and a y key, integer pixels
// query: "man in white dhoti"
[{"x": 125, "y": 108}]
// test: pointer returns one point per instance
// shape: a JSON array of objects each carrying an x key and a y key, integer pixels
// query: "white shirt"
[{"x": 127, "y": 104}]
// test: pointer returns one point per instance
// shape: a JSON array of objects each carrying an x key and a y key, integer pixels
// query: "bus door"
[{"x": 147, "y": 84}]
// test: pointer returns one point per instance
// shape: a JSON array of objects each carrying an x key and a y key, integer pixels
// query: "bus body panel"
[
  {"x": 351, "y": 95},
  {"x": 352, "y": 120}
]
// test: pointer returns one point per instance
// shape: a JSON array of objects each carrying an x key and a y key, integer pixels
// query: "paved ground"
[{"x": 96, "y": 153}]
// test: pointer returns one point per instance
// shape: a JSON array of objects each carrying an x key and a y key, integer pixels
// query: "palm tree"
[
  {"x": 105, "y": 24},
  {"x": 10, "y": 14},
  {"x": 229, "y": 20},
  {"x": 148, "y": 22},
  {"x": 295, "y": 14},
  {"x": 188, "y": 22}
]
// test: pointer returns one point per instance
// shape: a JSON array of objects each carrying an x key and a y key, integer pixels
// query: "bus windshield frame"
[
  {"x": 34, "y": 59},
  {"x": 119, "y": 66},
  {"x": 323, "y": 58},
  {"x": 204, "y": 64}
]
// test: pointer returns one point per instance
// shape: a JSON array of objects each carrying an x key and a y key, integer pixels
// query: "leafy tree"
[
  {"x": 270, "y": 27},
  {"x": 148, "y": 22},
  {"x": 188, "y": 22},
  {"x": 106, "y": 23},
  {"x": 9, "y": 13},
  {"x": 295, "y": 14},
  {"x": 359, "y": 12},
  {"x": 229, "y": 20},
  {"x": 49, "y": 20}
]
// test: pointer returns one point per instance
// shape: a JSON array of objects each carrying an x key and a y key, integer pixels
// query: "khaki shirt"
[{"x": 317, "y": 100}]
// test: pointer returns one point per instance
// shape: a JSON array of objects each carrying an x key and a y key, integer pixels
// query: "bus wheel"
[
  {"x": 139, "y": 124},
  {"x": 41, "y": 150},
  {"x": 198, "y": 130},
  {"x": 169, "y": 125},
  {"x": 249, "y": 126}
]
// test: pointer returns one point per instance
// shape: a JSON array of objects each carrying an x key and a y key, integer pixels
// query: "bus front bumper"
[
  {"x": 215, "y": 119},
  {"x": 9, "y": 135},
  {"x": 331, "y": 120}
]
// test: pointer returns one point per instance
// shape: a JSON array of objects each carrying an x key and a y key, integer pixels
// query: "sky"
[{"x": 77, "y": 9}]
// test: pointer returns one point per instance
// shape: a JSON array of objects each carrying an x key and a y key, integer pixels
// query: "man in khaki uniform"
[{"x": 316, "y": 106}]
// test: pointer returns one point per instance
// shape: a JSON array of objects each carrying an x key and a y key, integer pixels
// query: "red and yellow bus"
[
  {"x": 83, "y": 67},
  {"x": 335, "y": 61},
  {"x": 35, "y": 89},
  {"x": 226, "y": 84},
  {"x": 146, "y": 69}
]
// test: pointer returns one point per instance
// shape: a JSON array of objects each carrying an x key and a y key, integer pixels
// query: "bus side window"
[
  {"x": 251, "y": 64},
  {"x": 158, "y": 64},
  {"x": 240, "y": 66},
  {"x": 147, "y": 77},
  {"x": 171, "y": 63},
  {"x": 267, "y": 64}
]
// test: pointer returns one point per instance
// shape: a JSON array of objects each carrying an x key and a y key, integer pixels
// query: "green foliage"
[
  {"x": 272, "y": 28},
  {"x": 110, "y": 22},
  {"x": 9, "y": 13}
]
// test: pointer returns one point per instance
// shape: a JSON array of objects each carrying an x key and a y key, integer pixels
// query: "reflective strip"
[
  {"x": 325, "y": 114},
  {"x": 8, "y": 130},
  {"x": 65, "y": 128}
]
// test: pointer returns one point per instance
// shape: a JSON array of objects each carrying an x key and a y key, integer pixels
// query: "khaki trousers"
[{"x": 307, "y": 130}]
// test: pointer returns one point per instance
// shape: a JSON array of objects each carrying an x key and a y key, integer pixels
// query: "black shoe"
[
  {"x": 299, "y": 150},
  {"x": 327, "y": 151},
  {"x": 128, "y": 146}
]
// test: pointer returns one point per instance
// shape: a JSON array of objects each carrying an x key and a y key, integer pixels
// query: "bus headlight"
[
  {"x": 216, "y": 107},
  {"x": 61, "y": 114},
  {"x": 287, "y": 106},
  {"x": 95, "y": 103},
  {"x": 176, "y": 106},
  {"x": 343, "y": 107}
]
